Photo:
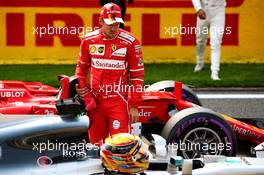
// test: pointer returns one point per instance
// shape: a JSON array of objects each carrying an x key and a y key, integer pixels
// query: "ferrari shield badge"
[{"x": 113, "y": 46}]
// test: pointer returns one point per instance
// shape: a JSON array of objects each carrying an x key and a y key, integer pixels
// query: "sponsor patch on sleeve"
[{"x": 138, "y": 49}]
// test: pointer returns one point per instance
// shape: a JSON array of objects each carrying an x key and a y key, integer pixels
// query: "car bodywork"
[{"x": 35, "y": 88}]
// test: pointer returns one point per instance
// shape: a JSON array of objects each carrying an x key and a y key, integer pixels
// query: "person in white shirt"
[{"x": 210, "y": 19}]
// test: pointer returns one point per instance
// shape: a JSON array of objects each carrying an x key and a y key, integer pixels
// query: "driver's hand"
[
  {"x": 81, "y": 91},
  {"x": 133, "y": 115},
  {"x": 201, "y": 14}
]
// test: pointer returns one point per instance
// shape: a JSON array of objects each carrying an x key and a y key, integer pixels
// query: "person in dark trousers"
[{"x": 121, "y": 4}]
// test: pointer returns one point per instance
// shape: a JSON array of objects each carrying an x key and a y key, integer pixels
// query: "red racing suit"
[{"x": 113, "y": 65}]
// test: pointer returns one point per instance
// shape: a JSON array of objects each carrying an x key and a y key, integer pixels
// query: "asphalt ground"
[{"x": 235, "y": 102}]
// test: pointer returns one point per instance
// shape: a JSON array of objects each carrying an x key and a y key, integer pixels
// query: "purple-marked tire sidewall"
[{"x": 201, "y": 121}]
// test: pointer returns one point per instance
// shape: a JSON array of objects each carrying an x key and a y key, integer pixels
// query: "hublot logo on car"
[{"x": 9, "y": 94}]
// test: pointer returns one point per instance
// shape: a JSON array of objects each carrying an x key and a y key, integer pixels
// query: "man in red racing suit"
[{"x": 113, "y": 58}]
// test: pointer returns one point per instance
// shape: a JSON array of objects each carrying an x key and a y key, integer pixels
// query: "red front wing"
[
  {"x": 17, "y": 97},
  {"x": 35, "y": 88}
]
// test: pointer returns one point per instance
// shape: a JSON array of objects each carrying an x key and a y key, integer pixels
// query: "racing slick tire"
[
  {"x": 168, "y": 86},
  {"x": 198, "y": 131}
]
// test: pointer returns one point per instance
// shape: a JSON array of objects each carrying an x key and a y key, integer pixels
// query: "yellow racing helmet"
[{"x": 124, "y": 153}]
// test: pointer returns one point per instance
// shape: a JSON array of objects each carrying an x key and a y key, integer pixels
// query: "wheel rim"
[{"x": 201, "y": 141}]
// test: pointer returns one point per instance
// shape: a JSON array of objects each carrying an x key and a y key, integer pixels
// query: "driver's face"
[{"x": 110, "y": 31}]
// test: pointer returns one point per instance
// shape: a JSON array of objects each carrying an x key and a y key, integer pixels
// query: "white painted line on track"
[{"x": 230, "y": 96}]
